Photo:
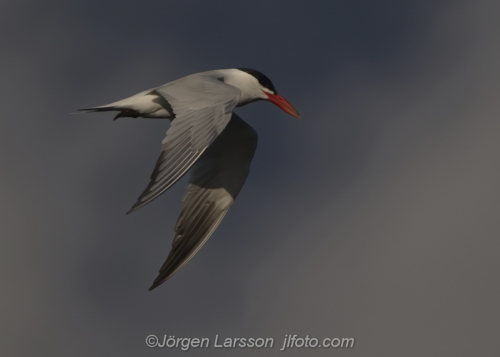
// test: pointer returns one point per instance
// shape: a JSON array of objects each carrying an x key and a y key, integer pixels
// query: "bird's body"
[{"x": 206, "y": 137}]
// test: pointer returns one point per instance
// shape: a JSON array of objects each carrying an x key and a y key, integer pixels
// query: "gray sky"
[{"x": 373, "y": 217}]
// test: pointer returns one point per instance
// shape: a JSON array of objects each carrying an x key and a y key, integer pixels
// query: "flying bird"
[{"x": 205, "y": 136}]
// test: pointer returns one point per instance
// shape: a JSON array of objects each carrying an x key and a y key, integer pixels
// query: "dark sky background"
[{"x": 374, "y": 217}]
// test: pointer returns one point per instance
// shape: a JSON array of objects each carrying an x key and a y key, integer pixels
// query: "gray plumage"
[
  {"x": 198, "y": 121},
  {"x": 205, "y": 136},
  {"x": 216, "y": 179}
]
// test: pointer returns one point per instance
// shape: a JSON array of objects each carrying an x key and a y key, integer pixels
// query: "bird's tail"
[
  {"x": 123, "y": 112},
  {"x": 95, "y": 109}
]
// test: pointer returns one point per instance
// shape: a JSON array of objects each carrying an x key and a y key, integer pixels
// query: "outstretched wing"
[
  {"x": 202, "y": 106},
  {"x": 216, "y": 179}
]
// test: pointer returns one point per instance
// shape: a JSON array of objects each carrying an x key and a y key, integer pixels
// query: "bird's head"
[{"x": 256, "y": 86}]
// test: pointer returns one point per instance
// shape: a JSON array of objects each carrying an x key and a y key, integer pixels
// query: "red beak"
[{"x": 283, "y": 104}]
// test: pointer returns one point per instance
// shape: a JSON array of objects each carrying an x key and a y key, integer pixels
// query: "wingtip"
[
  {"x": 160, "y": 279},
  {"x": 139, "y": 204},
  {"x": 156, "y": 283},
  {"x": 134, "y": 208}
]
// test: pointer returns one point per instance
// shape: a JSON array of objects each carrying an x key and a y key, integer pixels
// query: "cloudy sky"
[{"x": 373, "y": 217}]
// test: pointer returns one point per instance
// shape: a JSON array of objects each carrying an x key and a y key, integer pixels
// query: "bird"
[{"x": 206, "y": 137}]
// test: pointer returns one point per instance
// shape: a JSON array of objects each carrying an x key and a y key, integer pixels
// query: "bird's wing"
[
  {"x": 202, "y": 106},
  {"x": 216, "y": 180}
]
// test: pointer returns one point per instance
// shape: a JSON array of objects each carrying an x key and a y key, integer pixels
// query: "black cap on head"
[{"x": 263, "y": 80}]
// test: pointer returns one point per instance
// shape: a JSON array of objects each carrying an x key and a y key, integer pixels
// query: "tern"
[{"x": 206, "y": 137}]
